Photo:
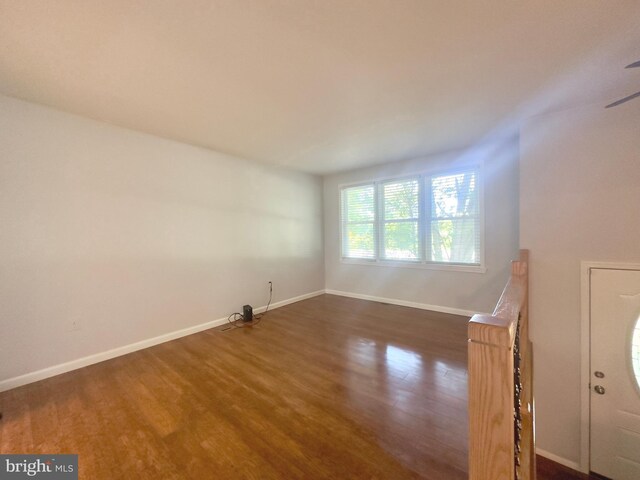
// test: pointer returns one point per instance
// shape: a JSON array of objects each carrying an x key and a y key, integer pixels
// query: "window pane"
[
  {"x": 358, "y": 241},
  {"x": 455, "y": 218},
  {"x": 455, "y": 240},
  {"x": 454, "y": 195},
  {"x": 359, "y": 203},
  {"x": 401, "y": 200},
  {"x": 401, "y": 241}
]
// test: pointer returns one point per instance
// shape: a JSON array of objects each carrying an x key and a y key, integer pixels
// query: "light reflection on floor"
[
  {"x": 400, "y": 374},
  {"x": 409, "y": 381},
  {"x": 403, "y": 362}
]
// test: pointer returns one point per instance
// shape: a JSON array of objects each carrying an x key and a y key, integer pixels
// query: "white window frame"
[
  {"x": 424, "y": 222},
  {"x": 381, "y": 220},
  {"x": 375, "y": 222}
]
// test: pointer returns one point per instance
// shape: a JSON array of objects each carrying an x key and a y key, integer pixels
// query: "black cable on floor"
[{"x": 236, "y": 317}]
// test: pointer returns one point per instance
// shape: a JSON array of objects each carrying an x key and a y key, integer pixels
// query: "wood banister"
[{"x": 500, "y": 386}]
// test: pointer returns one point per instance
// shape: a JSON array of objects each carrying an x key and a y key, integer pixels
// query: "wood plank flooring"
[
  {"x": 330, "y": 387},
  {"x": 550, "y": 470},
  {"x": 327, "y": 388}
]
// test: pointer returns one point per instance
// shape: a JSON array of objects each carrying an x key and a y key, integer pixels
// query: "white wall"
[
  {"x": 580, "y": 198},
  {"x": 458, "y": 290},
  {"x": 133, "y": 236}
]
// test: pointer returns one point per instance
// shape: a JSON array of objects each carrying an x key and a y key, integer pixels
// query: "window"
[
  {"x": 400, "y": 217},
  {"x": 358, "y": 222},
  {"x": 454, "y": 226},
  {"x": 423, "y": 220}
]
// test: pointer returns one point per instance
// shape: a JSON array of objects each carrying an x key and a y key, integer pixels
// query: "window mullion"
[
  {"x": 421, "y": 213},
  {"x": 379, "y": 217},
  {"x": 426, "y": 183},
  {"x": 343, "y": 232}
]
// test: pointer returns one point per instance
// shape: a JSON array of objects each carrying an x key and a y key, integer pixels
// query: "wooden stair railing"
[{"x": 501, "y": 407}]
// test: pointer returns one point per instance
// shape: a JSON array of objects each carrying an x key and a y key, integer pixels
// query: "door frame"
[{"x": 585, "y": 347}]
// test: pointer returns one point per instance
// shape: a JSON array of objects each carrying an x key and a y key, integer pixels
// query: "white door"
[{"x": 615, "y": 373}]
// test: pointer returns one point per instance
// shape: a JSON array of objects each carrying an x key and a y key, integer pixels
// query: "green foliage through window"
[
  {"x": 358, "y": 212},
  {"x": 401, "y": 237},
  {"x": 432, "y": 219},
  {"x": 455, "y": 231}
]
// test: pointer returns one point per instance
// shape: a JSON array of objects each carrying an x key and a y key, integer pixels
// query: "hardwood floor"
[
  {"x": 327, "y": 388},
  {"x": 330, "y": 387},
  {"x": 549, "y": 470}
]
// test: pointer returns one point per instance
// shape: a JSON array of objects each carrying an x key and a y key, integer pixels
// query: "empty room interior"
[{"x": 338, "y": 239}]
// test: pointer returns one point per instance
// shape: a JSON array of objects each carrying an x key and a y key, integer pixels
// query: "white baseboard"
[
  {"x": 31, "y": 377},
  {"x": 404, "y": 303},
  {"x": 561, "y": 460},
  {"x": 290, "y": 300}
]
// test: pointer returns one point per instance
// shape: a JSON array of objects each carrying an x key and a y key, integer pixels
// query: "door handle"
[{"x": 599, "y": 389}]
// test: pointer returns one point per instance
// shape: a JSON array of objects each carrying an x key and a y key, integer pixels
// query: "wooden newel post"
[
  {"x": 501, "y": 413},
  {"x": 491, "y": 403}
]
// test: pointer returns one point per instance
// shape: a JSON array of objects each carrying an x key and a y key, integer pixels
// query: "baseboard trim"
[
  {"x": 289, "y": 301},
  {"x": 404, "y": 303},
  {"x": 37, "y": 375},
  {"x": 562, "y": 461}
]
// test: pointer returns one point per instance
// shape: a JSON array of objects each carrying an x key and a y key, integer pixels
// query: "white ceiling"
[{"x": 320, "y": 86}]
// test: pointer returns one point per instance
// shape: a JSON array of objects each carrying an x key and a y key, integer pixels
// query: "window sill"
[{"x": 418, "y": 265}]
